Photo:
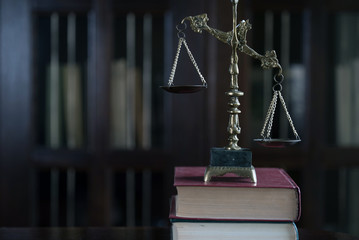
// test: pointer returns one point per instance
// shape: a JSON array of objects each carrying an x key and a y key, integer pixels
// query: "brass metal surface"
[{"x": 216, "y": 171}]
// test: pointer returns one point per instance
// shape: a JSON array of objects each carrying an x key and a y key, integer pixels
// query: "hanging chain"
[
  {"x": 181, "y": 39},
  {"x": 268, "y": 123},
  {"x": 270, "y": 116},
  {"x": 288, "y": 116},
  {"x": 172, "y": 75},
  {"x": 194, "y": 63}
]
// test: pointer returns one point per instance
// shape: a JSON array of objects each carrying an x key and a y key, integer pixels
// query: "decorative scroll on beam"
[{"x": 268, "y": 60}]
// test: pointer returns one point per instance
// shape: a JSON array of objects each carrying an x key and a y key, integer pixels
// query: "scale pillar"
[
  {"x": 233, "y": 158},
  {"x": 233, "y": 124}
]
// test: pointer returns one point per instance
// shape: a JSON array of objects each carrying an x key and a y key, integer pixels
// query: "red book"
[{"x": 275, "y": 196}]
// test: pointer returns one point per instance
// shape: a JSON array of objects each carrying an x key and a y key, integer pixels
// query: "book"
[
  {"x": 53, "y": 112},
  {"x": 126, "y": 106},
  {"x": 343, "y": 86},
  {"x": 54, "y": 106},
  {"x": 72, "y": 90},
  {"x": 275, "y": 196},
  {"x": 118, "y": 94},
  {"x": 234, "y": 230},
  {"x": 195, "y": 228},
  {"x": 73, "y": 106},
  {"x": 130, "y": 81},
  {"x": 138, "y": 105}
]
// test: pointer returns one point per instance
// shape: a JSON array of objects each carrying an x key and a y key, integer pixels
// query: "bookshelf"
[
  {"x": 98, "y": 113},
  {"x": 183, "y": 129}
]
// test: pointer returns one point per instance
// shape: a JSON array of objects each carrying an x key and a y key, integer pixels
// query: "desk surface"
[{"x": 124, "y": 233}]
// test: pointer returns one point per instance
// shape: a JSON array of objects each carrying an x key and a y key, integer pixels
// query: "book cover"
[
  {"x": 275, "y": 196},
  {"x": 233, "y": 230},
  {"x": 266, "y": 178},
  {"x": 201, "y": 228}
]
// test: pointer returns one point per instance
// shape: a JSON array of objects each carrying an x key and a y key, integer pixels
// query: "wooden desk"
[{"x": 123, "y": 233}]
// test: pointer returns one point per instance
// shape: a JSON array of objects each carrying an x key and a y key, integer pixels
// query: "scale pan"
[
  {"x": 276, "y": 143},
  {"x": 184, "y": 88}
]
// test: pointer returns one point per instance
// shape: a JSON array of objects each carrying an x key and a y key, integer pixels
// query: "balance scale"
[{"x": 233, "y": 158}]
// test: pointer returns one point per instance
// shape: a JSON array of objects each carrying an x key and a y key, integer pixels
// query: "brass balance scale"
[{"x": 233, "y": 158}]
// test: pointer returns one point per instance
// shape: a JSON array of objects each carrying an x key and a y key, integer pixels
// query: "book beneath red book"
[
  {"x": 275, "y": 196},
  {"x": 234, "y": 231},
  {"x": 206, "y": 229}
]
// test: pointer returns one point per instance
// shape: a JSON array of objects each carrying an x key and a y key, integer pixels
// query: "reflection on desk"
[{"x": 125, "y": 233}]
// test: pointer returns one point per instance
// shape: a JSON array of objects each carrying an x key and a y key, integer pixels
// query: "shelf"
[
  {"x": 116, "y": 159},
  {"x": 61, "y": 6},
  {"x": 62, "y": 158},
  {"x": 156, "y": 160}
]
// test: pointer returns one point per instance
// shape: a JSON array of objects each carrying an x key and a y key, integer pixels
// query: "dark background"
[{"x": 132, "y": 185}]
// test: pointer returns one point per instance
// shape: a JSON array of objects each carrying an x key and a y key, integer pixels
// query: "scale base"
[
  {"x": 225, "y": 161},
  {"x": 214, "y": 171}
]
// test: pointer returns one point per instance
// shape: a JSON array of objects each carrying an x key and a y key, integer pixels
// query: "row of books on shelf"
[
  {"x": 229, "y": 207},
  {"x": 130, "y": 113},
  {"x": 66, "y": 107}
]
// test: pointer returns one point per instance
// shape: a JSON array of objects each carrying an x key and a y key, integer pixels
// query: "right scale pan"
[{"x": 276, "y": 143}]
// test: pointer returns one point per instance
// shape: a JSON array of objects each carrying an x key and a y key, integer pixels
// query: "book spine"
[
  {"x": 118, "y": 104},
  {"x": 344, "y": 82},
  {"x": 296, "y": 231},
  {"x": 73, "y": 106},
  {"x": 72, "y": 90},
  {"x": 53, "y": 91},
  {"x": 147, "y": 83},
  {"x": 297, "y": 189},
  {"x": 131, "y": 79}
]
